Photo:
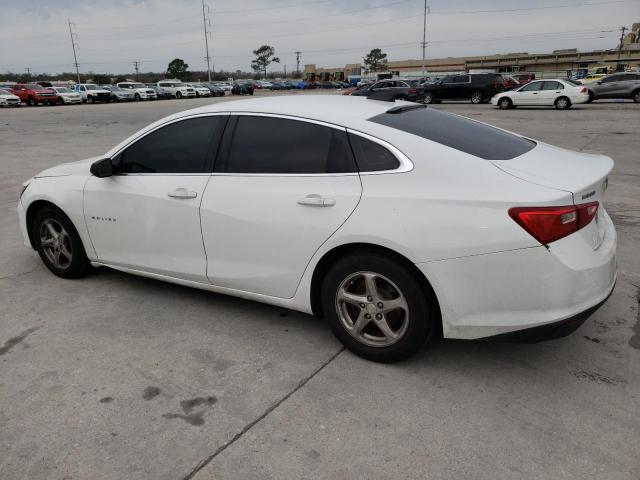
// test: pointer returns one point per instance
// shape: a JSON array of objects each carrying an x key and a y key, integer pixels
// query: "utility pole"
[
  {"x": 28, "y": 70},
  {"x": 136, "y": 64},
  {"x": 622, "y": 30},
  {"x": 207, "y": 35},
  {"x": 298, "y": 62},
  {"x": 424, "y": 37},
  {"x": 74, "y": 45},
  {"x": 285, "y": 70}
]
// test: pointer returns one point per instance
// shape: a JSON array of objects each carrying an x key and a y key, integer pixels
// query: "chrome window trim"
[{"x": 406, "y": 165}]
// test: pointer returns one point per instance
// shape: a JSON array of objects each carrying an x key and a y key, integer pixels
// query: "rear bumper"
[{"x": 501, "y": 293}]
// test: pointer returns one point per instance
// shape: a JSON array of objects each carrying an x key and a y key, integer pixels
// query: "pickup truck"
[
  {"x": 33, "y": 94},
  {"x": 91, "y": 93}
]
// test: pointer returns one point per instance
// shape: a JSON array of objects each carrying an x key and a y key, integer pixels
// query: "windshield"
[
  {"x": 91, "y": 87},
  {"x": 5, "y": 92}
]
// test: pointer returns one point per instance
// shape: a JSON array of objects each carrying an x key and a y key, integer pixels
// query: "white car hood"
[{"x": 72, "y": 168}]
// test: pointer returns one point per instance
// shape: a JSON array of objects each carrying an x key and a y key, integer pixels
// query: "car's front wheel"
[
  {"x": 178, "y": 94},
  {"x": 428, "y": 97},
  {"x": 505, "y": 103},
  {"x": 376, "y": 307},
  {"x": 59, "y": 244},
  {"x": 562, "y": 103},
  {"x": 636, "y": 96}
]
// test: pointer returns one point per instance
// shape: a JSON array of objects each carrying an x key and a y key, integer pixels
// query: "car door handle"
[
  {"x": 315, "y": 200},
  {"x": 182, "y": 193}
]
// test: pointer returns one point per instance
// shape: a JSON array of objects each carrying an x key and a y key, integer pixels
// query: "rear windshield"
[{"x": 457, "y": 132}]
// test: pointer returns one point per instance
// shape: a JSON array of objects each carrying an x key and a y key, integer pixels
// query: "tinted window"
[
  {"x": 181, "y": 147},
  {"x": 371, "y": 156},
  {"x": 448, "y": 79},
  {"x": 531, "y": 87},
  {"x": 278, "y": 145},
  {"x": 609, "y": 79},
  {"x": 462, "y": 79},
  {"x": 457, "y": 132},
  {"x": 552, "y": 86}
]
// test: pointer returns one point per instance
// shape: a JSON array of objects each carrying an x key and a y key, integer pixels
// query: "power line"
[
  {"x": 526, "y": 9},
  {"x": 74, "y": 44}
]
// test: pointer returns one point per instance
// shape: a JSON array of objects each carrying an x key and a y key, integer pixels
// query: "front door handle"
[
  {"x": 182, "y": 193},
  {"x": 315, "y": 200}
]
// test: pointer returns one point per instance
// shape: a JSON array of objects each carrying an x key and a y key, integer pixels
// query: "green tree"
[
  {"x": 101, "y": 79},
  {"x": 177, "y": 69},
  {"x": 375, "y": 60},
  {"x": 265, "y": 56}
]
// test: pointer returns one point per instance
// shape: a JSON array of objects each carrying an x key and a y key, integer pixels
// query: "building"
[{"x": 554, "y": 64}]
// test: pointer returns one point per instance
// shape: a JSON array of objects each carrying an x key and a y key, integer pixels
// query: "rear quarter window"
[{"x": 454, "y": 131}]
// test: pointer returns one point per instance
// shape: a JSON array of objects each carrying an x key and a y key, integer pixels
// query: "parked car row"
[{"x": 35, "y": 94}]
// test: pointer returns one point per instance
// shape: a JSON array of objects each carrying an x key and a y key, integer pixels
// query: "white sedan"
[
  {"x": 395, "y": 222},
  {"x": 201, "y": 90},
  {"x": 8, "y": 99},
  {"x": 559, "y": 93}
]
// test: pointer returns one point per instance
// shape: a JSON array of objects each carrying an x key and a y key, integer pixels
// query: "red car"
[
  {"x": 524, "y": 78},
  {"x": 33, "y": 94},
  {"x": 510, "y": 83}
]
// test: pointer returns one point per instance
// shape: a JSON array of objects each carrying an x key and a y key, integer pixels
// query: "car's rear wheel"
[
  {"x": 636, "y": 96},
  {"x": 476, "y": 97},
  {"x": 429, "y": 97},
  {"x": 562, "y": 103},
  {"x": 31, "y": 102},
  {"x": 59, "y": 244},
  {"x": 376, "y": 307},
  {"x": 505, "y": 103}
]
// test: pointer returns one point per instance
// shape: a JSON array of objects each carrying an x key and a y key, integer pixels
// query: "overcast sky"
[{"x": 113, "y": 33}]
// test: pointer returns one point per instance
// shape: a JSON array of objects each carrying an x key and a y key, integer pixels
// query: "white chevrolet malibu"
[
  {"x": 394, "y": 222},
  {"x": 558, "y": 93}
]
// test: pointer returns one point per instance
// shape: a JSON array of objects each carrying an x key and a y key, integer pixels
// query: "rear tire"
[
  {"x": 476, "y": 97},
  {"x": 429, "y": 98},
  {"x": 354, "y": 293},
  {"x": 31, "y": 102},
  {"x": 636, "y": 96},
  {"x": 58, "y": 244},
  {"x": 562, "y": 103}
]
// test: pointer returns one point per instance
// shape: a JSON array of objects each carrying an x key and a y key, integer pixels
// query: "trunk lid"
[{"x": 583, "y": 175}]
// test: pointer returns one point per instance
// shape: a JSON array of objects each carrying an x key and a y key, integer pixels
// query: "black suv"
[
  {"x": 477, "y": 87},
  {"x": 391, "y": 90}
]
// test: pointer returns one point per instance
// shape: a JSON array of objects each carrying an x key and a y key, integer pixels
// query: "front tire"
[
  {"x": 505, "y": 103},
  {"x": 376, "y": 307},
  {"x": 476, "y": 97},
  {"x": 562, "y": 103},
  {"x": 178, "y": 95},
  {"x": 429, "y": 98},
  {"x": 636, "y": 96},
  {"x": 90, "y": 99},
  {"x": 59, "y": 244}
]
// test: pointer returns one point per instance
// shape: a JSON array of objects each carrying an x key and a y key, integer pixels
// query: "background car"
[
  {"x": 225, "y": 86},
  {"x": 214, "y": 89},
  {"x": 391, "y": 90},
  {"x": 33, "y": 94},
  {"x": 176, "y": 88},
  {"x": 510, "y": 83},
  {"x": 66, "y": 95},
  {"x": 476, "y": 87},
  {"x": 140, "y": 90},
  {"x": 200, "y": 89},
  {"x": 91, "y": 93},
  {"x": 559, "y": 93},
  {"x": 8, "y": 99},
  {"x": 524, "y": 78},
  {"x": 161, "y": 94},
  {"x": 242, "y": 88},
  {"x": 618, "y": 85},
  {"x": 119, "y": 94}
]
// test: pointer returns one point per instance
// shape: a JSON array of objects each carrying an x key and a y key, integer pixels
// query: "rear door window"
[
  {"x": 272, "y": 145},
  {"x": 552, "y": 86},
  {"x": 474, "y": 138}
]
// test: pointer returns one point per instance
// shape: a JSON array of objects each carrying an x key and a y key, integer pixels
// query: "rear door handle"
[
  {"x": 182, "y": 193},
  {"x": 315, "y": 200}
]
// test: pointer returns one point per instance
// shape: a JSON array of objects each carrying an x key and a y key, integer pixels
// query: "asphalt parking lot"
[{"x": 120, "y": 377}]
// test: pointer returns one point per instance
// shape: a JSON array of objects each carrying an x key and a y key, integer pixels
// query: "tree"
[
  {"x": 375, "y": 60},
  {"x": 177, "y": 69},
  {"x": 265, "y": 56},
  {"x": 101, "y": 79}
]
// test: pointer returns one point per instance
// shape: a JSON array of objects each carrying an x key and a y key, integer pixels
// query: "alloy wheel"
[
  {"x": 476, "y": 97},
  {"x": 56, "y": 243},
  {"x": 372, "y": 309}
]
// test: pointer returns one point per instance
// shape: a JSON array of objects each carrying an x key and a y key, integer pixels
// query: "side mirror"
[{"x": 102, "y": 168}]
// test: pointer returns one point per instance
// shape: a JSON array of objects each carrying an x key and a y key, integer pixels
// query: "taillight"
[
  {"x": 548, "y": 224},
  {"x": 584, "y": 90},
  {"x": 413, "y": 90}
]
